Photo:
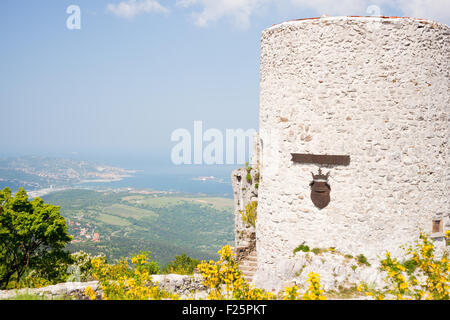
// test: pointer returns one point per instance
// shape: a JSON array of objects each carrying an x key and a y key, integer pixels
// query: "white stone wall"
[
  {"x": 374, "y": 89},
  {"x": 244, "y": 192}
]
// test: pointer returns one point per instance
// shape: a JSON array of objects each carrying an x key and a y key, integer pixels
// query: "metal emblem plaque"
[{"x": 320, "y": 189}]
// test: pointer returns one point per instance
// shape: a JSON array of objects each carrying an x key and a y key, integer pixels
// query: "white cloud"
[
  {"x": 428, "y": 9},
  {"x": 131, "y": 8},
  {"x": 185, "y": 3},
  {"x": 334, "y": 8},
  {"x": 241, "y": 11}
]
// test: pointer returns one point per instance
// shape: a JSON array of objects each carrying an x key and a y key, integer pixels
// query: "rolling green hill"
[{"x": 119, "y": 224}]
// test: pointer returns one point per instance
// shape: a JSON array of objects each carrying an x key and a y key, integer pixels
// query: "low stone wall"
[
  {"x": 62, "y": 289},
  {"x": 187, "y": 287},
  {"x": 336, "y": 270}
]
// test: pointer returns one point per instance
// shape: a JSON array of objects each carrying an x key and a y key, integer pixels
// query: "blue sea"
[
  {"x": 160, "y": 174},
  {"x": 183, "y": 183},
  {"x": 155, "y": 173}
]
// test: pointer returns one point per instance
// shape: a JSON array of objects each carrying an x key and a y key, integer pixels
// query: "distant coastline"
[{"x": 41, "y": 176}]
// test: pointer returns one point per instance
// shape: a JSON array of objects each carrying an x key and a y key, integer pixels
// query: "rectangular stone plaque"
[{"x": 321, "y": 159}]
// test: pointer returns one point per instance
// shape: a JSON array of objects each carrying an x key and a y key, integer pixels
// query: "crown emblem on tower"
[{"x": 320, "y": 176}]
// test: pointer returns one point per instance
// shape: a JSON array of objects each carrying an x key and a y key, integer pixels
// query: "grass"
[
  {"x": 125, "y": 211},
  {"x": 31, "y": 296},
  {"x": 164, "y": 202},
  {"x": 153, "y": 202},
  {"x": 113, "y": 220},
  {"x": 319, "y": 250}
]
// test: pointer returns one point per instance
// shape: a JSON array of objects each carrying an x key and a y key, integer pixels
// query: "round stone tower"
[{"x": 365, "y": 100}]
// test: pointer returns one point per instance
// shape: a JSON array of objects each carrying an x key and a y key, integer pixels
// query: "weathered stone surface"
[
  {"x": 245, "y": 184},
  {"x": 374, "y": 89},
  {"x": 186, "y": 286},
  {"x": 61, "y": 289},
  {"x": 336, "y": 272}
]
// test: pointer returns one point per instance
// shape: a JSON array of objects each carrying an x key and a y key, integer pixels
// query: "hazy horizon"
[{"x": 135, "y": 71}]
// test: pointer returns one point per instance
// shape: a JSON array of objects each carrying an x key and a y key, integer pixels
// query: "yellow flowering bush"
[
  {"x": 224, "y": 280},
  {"x": 430, "y": 280},
  {"x": 291, "y": 293},
  {"x": 34, "y": 281},
  {"x": 90, "y": 293},
  {"x": 314, "y": 291},
  {"x": 123, "y": 282},
  {"x": 250, "y": 213}
]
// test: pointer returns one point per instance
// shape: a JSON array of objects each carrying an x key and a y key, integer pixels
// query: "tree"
[
  {"x": 182, "y": 264},
  {"x": 32, "y": 236}
]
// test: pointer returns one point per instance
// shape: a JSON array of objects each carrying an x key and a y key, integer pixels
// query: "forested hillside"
[{"x": 120, "y": 224}]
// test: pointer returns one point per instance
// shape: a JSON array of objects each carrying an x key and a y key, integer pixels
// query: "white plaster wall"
[{"x": 374, "y": 89}]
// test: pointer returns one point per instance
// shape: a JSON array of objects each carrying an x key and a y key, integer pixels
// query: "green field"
[
  {"x": 120, "y": 224},
  {"x": 112, "y": 220},
  {"x": 128, "y": 211}
]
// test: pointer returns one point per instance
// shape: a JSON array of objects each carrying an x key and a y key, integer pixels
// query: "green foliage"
[
  {"x": 128, "y": 223},
  {"x": 249, "y": 178},
  {"x": 317, "y": 250},
  {"x": 32, "y": 237},
  {"x": 182, "y": 264},
  {"x": 429, "y": 281},
  {"x": 150, "y": 266},
  {"x": 122, "y": 282},
  {"x": 81, "y": 268},
  {"x": 302, "y": 247},
  {"x": 250, "y": 213},
  {"x": 410, "y": 266},
  {"x": 257, "y": 176},
  {"x": 362, "y": 259},
  {"x": 49, "y": 268}
]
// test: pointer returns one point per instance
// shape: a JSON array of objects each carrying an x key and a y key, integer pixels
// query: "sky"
[{"x": 136, "y": 70}]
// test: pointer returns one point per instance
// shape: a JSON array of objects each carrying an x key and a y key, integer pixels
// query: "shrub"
[
  {"x": 314, "y": 291},
  {"x": 182, "y": 264},
  {"x": 429, "y": 281},
  {"x": 301, "y": 247},
  {"x": 410, "y": 266},
  {"x": 362, "y": 260},
  {"x": 143, "y": 262},
  {"x": 250, "y": 213},
  {"x": 122, "y": 282},
  {"x": 225, "y": 281}
]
